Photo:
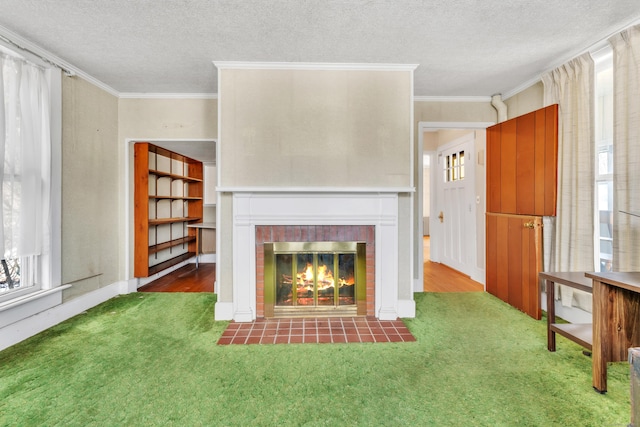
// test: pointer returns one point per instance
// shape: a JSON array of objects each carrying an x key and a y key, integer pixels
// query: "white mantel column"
[
  {"x": 244, "y": 266},
  {"x": 387, "y": 261}
]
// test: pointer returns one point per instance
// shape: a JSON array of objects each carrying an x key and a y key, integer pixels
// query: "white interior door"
[{"x": 455, "y": 213}]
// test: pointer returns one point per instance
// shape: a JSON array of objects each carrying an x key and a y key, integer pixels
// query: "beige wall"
[
  {"x": 168, "y": 118},
  {"x": 429, "y": 111},
  {"x": 91, "y": 252},
  {"x": 481, "y": 191},
  {"x": 524, "y": 102},
  {"x": 426, "y": 191},
  {"x": 342, "y": 128},
  {"x": 435, "y": 139},
  {"x": 528, "y": 100}
]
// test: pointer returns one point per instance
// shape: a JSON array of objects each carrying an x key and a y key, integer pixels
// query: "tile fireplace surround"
[{"x": 337, "y": 215}]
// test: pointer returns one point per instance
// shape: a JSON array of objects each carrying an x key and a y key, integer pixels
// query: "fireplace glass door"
[{"x": 312, "y": 277}]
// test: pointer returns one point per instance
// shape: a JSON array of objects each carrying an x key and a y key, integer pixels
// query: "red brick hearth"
[
  {"x": 315, "y": 233},
  {"x": 314, "y": 330}
]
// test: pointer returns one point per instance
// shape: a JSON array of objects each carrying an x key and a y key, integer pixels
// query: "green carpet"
[{"x": 152, "y": 359}]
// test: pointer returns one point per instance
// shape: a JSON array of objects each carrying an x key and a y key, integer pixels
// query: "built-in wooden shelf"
[
  {"x": 170, "y": 263},
  {"x": 159, "y": 221},
  {"x": 174, "y": 176},
  {"x": 175, "y": 242},
  {"x": 168, "y": 193},
  {"x": 173, "y": 197}
]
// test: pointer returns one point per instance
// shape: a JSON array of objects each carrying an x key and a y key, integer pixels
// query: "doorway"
[
  {"x": 205, "y": 151},
  {"x": 464, "y": 248}
]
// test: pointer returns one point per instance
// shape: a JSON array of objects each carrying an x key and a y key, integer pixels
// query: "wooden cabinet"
[
  {"x": 514, "y": 258},
  {"x": 167, "y": 197},
  {"x": 522, "y": 158}
]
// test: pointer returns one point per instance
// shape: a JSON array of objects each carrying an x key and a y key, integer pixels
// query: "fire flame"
[{"x": 325, "y": 277}]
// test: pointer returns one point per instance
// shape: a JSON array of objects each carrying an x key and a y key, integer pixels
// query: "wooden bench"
[{"x": 581, "y": 333}]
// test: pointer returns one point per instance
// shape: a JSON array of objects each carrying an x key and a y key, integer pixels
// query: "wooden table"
[
  {"x": 581, "y": 333},
  {"x": 616, "y": 321},
  {"x": 199, "y": 226}
]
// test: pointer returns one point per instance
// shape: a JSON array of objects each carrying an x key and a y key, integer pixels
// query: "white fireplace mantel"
[
  {"x": 328, "y": 190},
  {"x": 315, "y": 206}
]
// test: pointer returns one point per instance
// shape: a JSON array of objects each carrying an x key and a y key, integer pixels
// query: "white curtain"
[
  {"x": 570, "y": 235},
  {"x": 25, "y": 159},
  {"x": 626, "y": 150},
  {"x": 571, "y": 87}
]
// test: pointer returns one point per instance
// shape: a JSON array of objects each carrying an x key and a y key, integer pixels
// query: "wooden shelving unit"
[{"x": 167, "y": 196}]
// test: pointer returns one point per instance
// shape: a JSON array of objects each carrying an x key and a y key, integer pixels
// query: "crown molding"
[
  {"x": 601, "y": 43},
  {"x": 143, "y": 95},
  {"x": 321, "y": 190},
  {"x": 25, "y": 45},
  {"x": 452, "y": 98},
  {"x": 526, "y": 85},
  {"x": 239, "y": 65}
]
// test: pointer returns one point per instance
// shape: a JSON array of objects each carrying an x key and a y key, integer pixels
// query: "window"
[
  {"x": 454, "y": 167},
  {"x": 26, "y": 214},
  {"x": 603, "y": 232}
]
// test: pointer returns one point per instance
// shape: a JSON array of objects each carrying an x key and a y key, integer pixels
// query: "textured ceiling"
[{"x": 462, "y": 47}]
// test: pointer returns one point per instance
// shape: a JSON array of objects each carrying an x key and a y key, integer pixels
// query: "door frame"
[{"x": 423, "y": 127}]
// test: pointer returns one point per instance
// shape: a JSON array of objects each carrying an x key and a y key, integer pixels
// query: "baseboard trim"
[
  {"x": 224, "y": 311},
  {"x": 32, "y": 325},
  {"x": 418, "y": 286},
  {"x": 387, "y": 313},
  {"x": 406, "y": 308},
  {"x": 205, "y": 259},
  {"x": 141, "y": 281},
  {"x": 479, "y": 276}
]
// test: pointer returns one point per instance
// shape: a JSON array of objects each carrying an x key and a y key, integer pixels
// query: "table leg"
[
  {"x": 551, "y": 314},
  {"x": 198, "y": 231},
  {"x": 600, "y": 337}
]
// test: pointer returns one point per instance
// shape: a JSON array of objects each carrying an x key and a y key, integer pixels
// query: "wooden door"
[
  {"x": 514, "y": 258},
  {"x": 522, "y": 169},
  {"x": 455, "y": 207},
  {"x": 522, "y": 159}
]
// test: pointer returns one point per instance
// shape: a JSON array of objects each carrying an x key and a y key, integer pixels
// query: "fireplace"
[
  {"x": 314, "y": 279},
  {"x": 346, "y": 252},
  {"x": 264, "y": 215}
]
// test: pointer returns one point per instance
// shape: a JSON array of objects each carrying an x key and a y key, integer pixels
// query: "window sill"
[{"x": 29, "y": 305}]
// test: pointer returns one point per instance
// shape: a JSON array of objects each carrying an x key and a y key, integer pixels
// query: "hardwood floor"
[
  {"x": 437, "y": 278},
  {"x": 185, "y": 279},
  {"x": 440, "y": 278}
]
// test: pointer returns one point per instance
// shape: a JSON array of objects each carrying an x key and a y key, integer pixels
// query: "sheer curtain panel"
[
  {"x": 626, "y": 151},
  {"x": 25, "y": 167},
  {"x": 571, "y": 240}
]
